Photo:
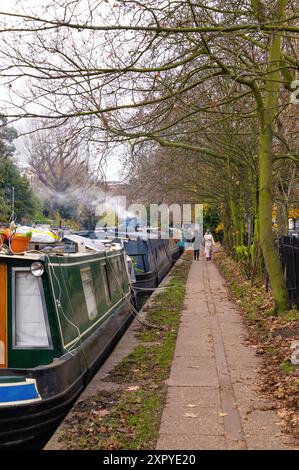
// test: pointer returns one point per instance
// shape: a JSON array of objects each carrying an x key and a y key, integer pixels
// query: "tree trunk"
[{"x": 268, "y": 116}]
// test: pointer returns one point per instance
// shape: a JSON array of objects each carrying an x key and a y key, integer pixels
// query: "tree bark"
[{"x": 268, "y": 116}]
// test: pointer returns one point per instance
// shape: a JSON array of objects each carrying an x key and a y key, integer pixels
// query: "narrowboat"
[
  {"x": 61, "y": 313},
  {"x": 152, "y": 257},
  {"x": 151, "y": 261},
  {"x": 174, "y": 249}
]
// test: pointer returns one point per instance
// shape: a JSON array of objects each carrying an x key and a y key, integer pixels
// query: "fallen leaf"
[
  {"x": 133, "y": 388},
  {"x": 100, "y": 413},
  {"x": 190, "y": 415}
]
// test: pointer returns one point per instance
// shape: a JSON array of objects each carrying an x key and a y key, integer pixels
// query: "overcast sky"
[{"x": 10, "y": 6}]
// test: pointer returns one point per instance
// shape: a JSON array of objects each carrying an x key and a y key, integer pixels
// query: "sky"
[{"x": 113, "y": 167}]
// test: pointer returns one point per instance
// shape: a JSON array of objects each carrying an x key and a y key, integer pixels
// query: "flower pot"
[
  {"x": 19, "y": 243},
  {"x": 5, "y": 234}
]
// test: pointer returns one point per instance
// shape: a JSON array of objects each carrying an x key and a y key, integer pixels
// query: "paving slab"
[
  {"x": 188, "y": 336},
  {"x": 203, "y": 421},
  {"x": 191, "y": 442},
  {"x": 185, "y": 350},
  {"x": 195, "y": 396},
  {"x": 194, "y": 362},
  {"x": 186, "y": 377},
  {"x": 190, "y": 330},
  {"x": 213, "y": 396}
]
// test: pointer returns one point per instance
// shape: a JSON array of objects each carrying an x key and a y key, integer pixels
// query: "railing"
[{"x": 289, "y": 255}]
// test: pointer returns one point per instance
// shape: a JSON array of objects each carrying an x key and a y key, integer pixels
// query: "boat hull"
[
  {"x": 30, "y": 426},
  {"x": 144, "y": 286},
  {"x": 176, "y": 253}
]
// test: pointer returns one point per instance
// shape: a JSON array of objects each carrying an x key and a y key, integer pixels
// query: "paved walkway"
[{"x": 213, "y": 398}]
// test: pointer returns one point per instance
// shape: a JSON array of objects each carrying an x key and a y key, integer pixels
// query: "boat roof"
[
  {"x": 27, "y": 255},
  {"x": 86, "y": 247},
  {"x": 106, "y": 235}
]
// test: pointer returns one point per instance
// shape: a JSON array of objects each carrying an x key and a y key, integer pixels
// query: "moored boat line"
[
  {"x": 62, "y": 309},
  {"x": 58, "y": 325},
  {"x": 152, "y": 256}
]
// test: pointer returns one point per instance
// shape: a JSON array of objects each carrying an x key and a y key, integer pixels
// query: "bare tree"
[
  {"x": 131, "y": 72},
  {"x": 58, "y": 157}
]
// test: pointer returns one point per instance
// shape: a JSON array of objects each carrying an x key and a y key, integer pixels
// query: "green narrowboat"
[{"x": 60, "y": 316}]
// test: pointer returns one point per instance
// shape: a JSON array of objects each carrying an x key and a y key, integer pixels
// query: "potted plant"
[
  {"x": 5, "y": 234},
  {"x": 19, "y": 242}
]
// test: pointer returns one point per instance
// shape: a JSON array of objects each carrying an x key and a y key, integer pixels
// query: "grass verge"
[
  {"x": 130, "y": 418},
  {"x": 272, "y": 337}
]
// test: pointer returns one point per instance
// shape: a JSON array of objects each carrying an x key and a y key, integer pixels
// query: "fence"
[{"x": 289, "y": 254}]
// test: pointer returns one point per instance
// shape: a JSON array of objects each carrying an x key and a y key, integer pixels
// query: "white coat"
[{"x": 209, "y": 243}]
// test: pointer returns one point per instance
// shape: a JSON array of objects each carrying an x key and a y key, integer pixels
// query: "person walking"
[
  {"x": 208, "y": 243},
  {"x": 196, "y": 244}
]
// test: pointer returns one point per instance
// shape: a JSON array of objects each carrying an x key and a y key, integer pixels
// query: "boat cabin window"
[
  {"x": 89, "y": 293},
  {"x": 138, "y": 263},
  {"x": 106, "y": 284},
  {"x": 30, "y": 323},
  {"x": 122, "y": 268},
  {"x": 121, "y": 272}
]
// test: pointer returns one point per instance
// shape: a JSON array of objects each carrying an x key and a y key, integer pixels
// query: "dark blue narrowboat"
[
  {"x": 151, "y": 261},
  {"x": 174, "y": 249}
]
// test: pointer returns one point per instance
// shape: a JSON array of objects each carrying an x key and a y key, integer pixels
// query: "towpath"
[{"x": 213, "y": 398}]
